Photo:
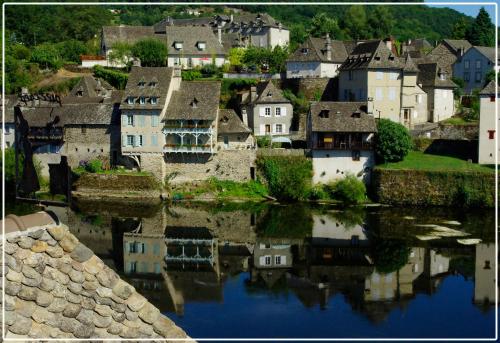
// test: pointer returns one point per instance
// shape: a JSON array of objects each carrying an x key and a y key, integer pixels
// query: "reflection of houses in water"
[
  {"x": 484, "y": 287},
  {"x": 272, "y": 257}
]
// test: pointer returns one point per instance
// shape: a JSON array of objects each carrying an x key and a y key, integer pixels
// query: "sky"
[{"x": 471, "y": 10}]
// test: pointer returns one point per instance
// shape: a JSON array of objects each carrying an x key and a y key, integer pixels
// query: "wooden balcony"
[
  {"x": 190, "y": 149},
  {"x": 342, "y": 146}
]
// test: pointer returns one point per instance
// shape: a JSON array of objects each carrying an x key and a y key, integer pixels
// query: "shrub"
[
  {"x": 92, "y": 166},
  {"x": 349, "y": 190},
  {"x": 288, "y": 177},
  {"x": 151, "y": 52},
  {"x": 317, "y": 192},
  {"x": 264, "y": 141},
  {"x": 393, "y": 141},
  {"x": 115, "y": 78},
  {"x": 421, "y": 143},
  {"x": 191, "y": 75}
]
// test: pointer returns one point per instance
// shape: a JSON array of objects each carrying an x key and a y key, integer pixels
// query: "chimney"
[
  {"x": 136, "y": 62},
  {"x": 409, "y": 41},
  {"x": 388, "y": 43},
  {"x": 24, "y": 90},
  {"x": 244, "y": 116},
  {"x": 219, "y": 33},
  {"x": 253, "y": 93},
  {"x": 232, "y": 18},
  {"x": 328, "y": 46}
]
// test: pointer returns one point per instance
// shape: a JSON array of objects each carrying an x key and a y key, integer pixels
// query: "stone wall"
[
  {"x": 311, "y": 87},
  {"x": 447, "y": 131},
  {"x": 433, "y": 188},
  {"x": 106, "y": 185},
  {"x": 226, "y": 165}
]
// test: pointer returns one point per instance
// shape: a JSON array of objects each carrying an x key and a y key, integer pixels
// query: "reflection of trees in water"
[
  {"x": 389, "y": 255},
  {"x": 290, "y": 221}
]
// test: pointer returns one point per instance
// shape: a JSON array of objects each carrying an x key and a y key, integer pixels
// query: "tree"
[
  {"x": 71, "y": 50},
  {"x": 355, "y": 22},
  {"x": 482, "y": 30},
  {"x": 349, "y": 190},
  {"x": 390, "y": 255},
  {"x": 380, "y": 22},
  {"x": 151, "y": 52},
  {"x": 393, "y": 141},
  {"x": 235, "y": 56},
  {"x": 120, "y": 53},
  {"x": 460, "y": 29},
  {"x": 47, "y": 56},
  {"x": 321, "y": 24}
]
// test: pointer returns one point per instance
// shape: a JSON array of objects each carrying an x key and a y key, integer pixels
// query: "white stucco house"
[{"x": 488, "y": 104}]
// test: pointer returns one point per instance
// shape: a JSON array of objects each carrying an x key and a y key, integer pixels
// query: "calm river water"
[{"x": 261, "y": 271}]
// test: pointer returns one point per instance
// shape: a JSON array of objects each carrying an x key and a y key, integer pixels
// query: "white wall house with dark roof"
[
  {"x": 437, "y": 84},
  {"x": 474, "y": 65},
  {"x": 340, "y": 136},
  {"x": 488, "y": 105},
  {"x": 317, "y": 57}
]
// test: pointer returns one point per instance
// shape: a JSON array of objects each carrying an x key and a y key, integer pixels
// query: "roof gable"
[
  {"x": 194, "y": 100},
  {"x": 190, "y": 38},
  {"x": 267, "y": 92},
  {"x": 148, "y": 82},
  {"x": 330, "y": 116}
]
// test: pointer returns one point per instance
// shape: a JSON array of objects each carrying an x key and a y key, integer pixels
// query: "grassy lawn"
[
  {"x": 459, "y": 121},
  {"x": 81, "y": 170},
  {"x": 419, "y": 161}
]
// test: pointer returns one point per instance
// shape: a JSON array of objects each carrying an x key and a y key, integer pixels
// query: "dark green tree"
[
  {"x": 380, "y": 22},
  {"x": 393, "y": 141},
  {"x": 151, "y": 52},
  {"x": 354, "y": 22},
  {"x": 47, "y": 56},
  {"x": 460, "y": 29},
  {"x": 321, "y": 24},
  {"x": 482, "y": 30},
  {"x": 71, "y": 50}
]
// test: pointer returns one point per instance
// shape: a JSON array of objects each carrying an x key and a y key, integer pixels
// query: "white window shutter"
[
  {"x": 262, "y": 112},
  {"x": 283, "y": 259},
  {"x": 126, "y": 247},
  {"x": 144, "y": 140},
  {"x": 134, "y": 119},
  {"x": 124, "y": 120},
  {"x": 136, "y": 140},
  {"x": 124, "y": 140},
  {"x": 262, "y": 260},
  {"x": 283, "y": 111}
]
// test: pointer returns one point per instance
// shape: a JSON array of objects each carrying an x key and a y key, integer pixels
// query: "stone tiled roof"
[
  {"x": 428, "y": 76},
  {"x": 55, "y": 287},
  {"x": 162, "y": 76},
  {"x": 127, "y": 34},
  {"x": 190, "y": 37},
  {"x": 487, "y": 51},
  {"x": 229, "y": 122},
  {"x": 10, "y": 102},
  {"x": 489, "y": 89},
  {"x": 456, "y": 44},
  {"x": 314, "y": 50},
  {"x": 91, "y": 87},
  {"x": 372, "y": 55},
  {"x": 195, "y": 100},
  {"x": 329, "y": 116},
  {"x": 267, "y": 93}
]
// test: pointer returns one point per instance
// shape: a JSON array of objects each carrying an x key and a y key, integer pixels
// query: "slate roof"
[
  {"x": 91, "y": 87},
  {"x": 194, "y": 100},
  {"x": 161, "y": 26},
  {"x": 10, "y": 102},
  {"x": 55, "y": 287},
  {"x": 268, "y": 93},
  {"x": 372, "y": 55},
  {"x": 314, "y": 50},
  {"x": 487, "y": 51},
  {"x": 409, "y": 65},
  {"x": 162, "y": 76},
  {"x": 229, "y": 122},
  {"x": 127, "y": 34},
  {"x": 190, "y": 36},
  {"x": 489, "y": 89},
  {"x": 428, "y": 76},
  {"x": 340, "y": 117},
  {"x": 456, "y": 44}
]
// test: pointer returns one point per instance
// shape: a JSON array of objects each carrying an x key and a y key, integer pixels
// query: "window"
[
  {"x": 346, "y": 94},
  {"x": 142, "y": 120},
  {"x": 226, "y": 142},
  {"x": 133, "y": 267},
  {"x": 156, "y": 249},
  {"x": 142, "y": 100},
  {"x": 491, "y": 134},
  {"x": 478, "y": 64},
  {"x": 157, "y": 268},
  {"x": 177, "y": 61},
  {"x": 267, "y": 111},
  {"x": 267, "y": 260},
  {"x": 279, "y": 128},
  {"x": 154, "y": 120},
  {"x": 392, "y": 93},
  {"x": 278, "y": 112},
  {"x": 130, "y": 120},
  {"x": 324, "y": 114},
  {"x": 152, "y": 84},
  {"x": 356, "y": 155},
  {"x": 132, "y": 248},
  {"x": 130, "y": 140},
  {"x": 178, "y": 45},
  {"x": 79, "y": 93},
  {"x": 154, "y": 140},
  {"x": 277, "y": 260},
  {"x": 154, "y": 101},
  {"x": 419, "y": 98},
  {"x": 84, "y": 129},
  {"x": 304, "y": 51},
  {"x": 142, "y": 84},
  {"x": 139, "y": 143},
  {"x": 268, "y": 129},
  {"x": 351, "y": 75},
  {"x": 479, "y": 76},
  {"x": 130, "y": 100},
  {"x": 379, "y": 94},
  {"x": 466, "y": 64},
  {"x": 467, "y": 76},
  {"x": 492, "y": 98},
  {"x": 380, "y": 75},
  {"x": 393, "y": 75},
  {"x": 202, "y": 45}
]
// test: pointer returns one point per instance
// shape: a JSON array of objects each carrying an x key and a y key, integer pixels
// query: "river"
[{"x": 282, "y": 271}]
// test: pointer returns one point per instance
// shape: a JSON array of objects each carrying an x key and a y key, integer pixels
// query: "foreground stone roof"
[{"x": 55, "y": 287}]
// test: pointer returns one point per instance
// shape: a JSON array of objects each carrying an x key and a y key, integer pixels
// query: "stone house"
[
  {"x": 143, "y": 106},
  {"x": 190, "y": 47},
  {"x": 268, "y": 112},
  {"x": 473, "y": 66},
  {"x": 416, "y": 48},
  {"x": 488, "y": 105},
  {"x": 340, "y": 136},
  {"x": 446, "y": 53},
  {"x": 8, "y": 135},
  {"x": 373, "y": 73},
  {"x": 439, "y": 88},
  {"x": 232, "y": 133},
  {"x": 316, "y": 57}
]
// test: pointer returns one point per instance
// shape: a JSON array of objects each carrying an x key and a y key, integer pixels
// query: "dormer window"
[
  {"x": 225, "y": 119},
  {"x": 153, "y": 84},
  {"x": 178, "y": 45},
  {"x": 130, "y": 100},
  {"x": 142, "y": 100},
  {"x": 269, "y": 93},
  {"x": 154, "y": 100},
  {"x": 201, "y": 45},
  {"x": 356, "y": 115},
  {"x": 79, "y": 93},
  {"x": 142, "y": 84},
  {"x": 305, "y": 51},
  {"x": 377, "y": 58},
  {"x": 391, "y": 57},
  {"x": 324, "y": 114},
  {"x": 194, "y": 103}
]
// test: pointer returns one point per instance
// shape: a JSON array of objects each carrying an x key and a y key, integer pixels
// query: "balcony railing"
[
  {"x": 178, "y": 148},
  {"x": 343, "y": 146},
  {"x": 187, "y": 129}
]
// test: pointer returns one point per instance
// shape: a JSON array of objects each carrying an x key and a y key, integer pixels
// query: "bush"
[
  {"x": 92, "y": 166},
  {"x": 317, "y": 192},
  {"x": 288, "y": 177},
  {"x": 191, "y": 75},
  {"x": 393, "y": 141},
  {"x": 421, "y": 143},
  {"x": 115, "y": 78},
  {"x": 151, "y": 52},
  {"x": 349, "y": 190},
  {"x": 263, "y": 141}
]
